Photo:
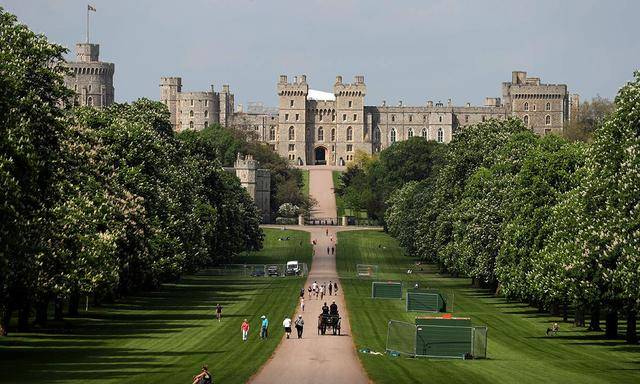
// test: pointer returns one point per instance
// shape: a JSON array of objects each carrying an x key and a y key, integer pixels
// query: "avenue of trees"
[
  {"x": 544, "y": 220},
  {"x": 101, "y": 203}
]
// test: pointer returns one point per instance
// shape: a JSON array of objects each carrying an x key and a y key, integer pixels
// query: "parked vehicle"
[
  {"x": 273, "y": 270},
  {"x": 293, "y": 268},
  {"x": 258, "y": 272}
]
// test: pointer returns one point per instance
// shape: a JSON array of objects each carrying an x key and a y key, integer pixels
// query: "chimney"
[
  {"x": 303, "y": 79},
  {"x": 295, "y": 79},
  {"x": 449, "y": 102},
  {"x": 399, "y": 103},
  {"x": 468, "y": 104},
  {"x": 338, "y": 79},
  {"x": 384, "y": 103},
  {"x": 212, "y": 89},
  {"x": 283, "y": 79},
  {"x": 429, "y": 103},
  {"x": 225, "y": 88}
]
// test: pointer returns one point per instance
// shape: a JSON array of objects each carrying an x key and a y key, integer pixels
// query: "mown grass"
[
  {"x": 166, "y": 335},
  {"x": 518, "y": 349},
  {"x": 337, "y": 184},
  {"x": 305, "y": 182}
]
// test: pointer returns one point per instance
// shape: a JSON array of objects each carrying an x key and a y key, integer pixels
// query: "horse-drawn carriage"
[{"x": 328, "y": 321}]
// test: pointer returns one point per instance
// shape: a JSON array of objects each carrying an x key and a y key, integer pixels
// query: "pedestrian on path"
[
  {"x": 321, "y": 291},
  {"x": 330, "y": 288},
  {"x": 218, "y": 312},
  {"x": 302, "y": 292},
  {"x": 335, "y": 287},
  {"x": 245, "y": 330},
  {"x": 333, "y": 250},
  {"x": 309, "y": 292},
  {"x": 328, "y": 249},
  {"x": 286, "y": 323},
  {"x": 264, "y": 328},
  {"x": 299, "y": 326},
  {"x": 302, "y": 303}
]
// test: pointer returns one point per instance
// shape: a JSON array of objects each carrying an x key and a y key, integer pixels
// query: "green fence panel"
[
  {"x": 426, "y": 302},
  {"x": 386, "y": 290},
  {"x": 443, "y": 341}
]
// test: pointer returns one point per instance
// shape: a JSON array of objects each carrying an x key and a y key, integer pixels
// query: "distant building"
[
  {"x": 92, "y": 79},
  {"x": 256, "y": 181}
]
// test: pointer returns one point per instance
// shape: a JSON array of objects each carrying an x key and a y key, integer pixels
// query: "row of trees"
[
  {"x": 100, "y": 203},
  {"x": 539, "y": 219}
]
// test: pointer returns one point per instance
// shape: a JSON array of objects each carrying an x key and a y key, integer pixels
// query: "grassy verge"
[
  {"x": 165, "y": 336},
  {"x": 337, "y": 183},
  {"x": 517, "y": 347},
  {"x": 305, "y": 182}
]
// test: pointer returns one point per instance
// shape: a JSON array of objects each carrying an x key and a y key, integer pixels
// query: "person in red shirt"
[{"x": 245, "y": 330}]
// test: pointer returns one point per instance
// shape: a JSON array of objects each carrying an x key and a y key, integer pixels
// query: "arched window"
[
  {"x": 190, "y": 113},
  {"x": 192, "y": 102},
  {"x": 191, "y": 124},
  {"x": 376, "y": 134},
  {"x": 547, "y": 120},
  {"x": 393, "y": 135},
  {"x": 424, "y": 133},
  {"x": 333, "y": 134},
  {"x": 393, "y": 117},
  {"x": 206, "y": 113},
  {"x": 526, "y": 106},
  {"x": 349, "y": 134},
  {"x": 90, "y": 101},
  {"x": 440, "y": 119},
  {"x": 526, "y": 120},
  {"x": 206, "y": 124},
  {"x": 272, "y": 133},
  {"x": 440, "y": 135},
  {"x": 547, "y": 107},
  {"x": 292, "y": 133},
  {"x": 320, "y": 134},
  {"x": 410, "y": 133},
  {"x": 534, "y": 107}
]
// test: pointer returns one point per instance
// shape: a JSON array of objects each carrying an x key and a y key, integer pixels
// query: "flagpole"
[{"x": 87, "y": 24}]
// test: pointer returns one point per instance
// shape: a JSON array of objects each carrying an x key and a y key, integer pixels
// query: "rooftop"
[{"x": 320, "y": 95}]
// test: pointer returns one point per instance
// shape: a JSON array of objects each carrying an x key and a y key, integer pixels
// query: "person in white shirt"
[{"x": 287, "y": 326}]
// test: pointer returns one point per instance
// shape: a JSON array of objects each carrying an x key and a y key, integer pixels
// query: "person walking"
[
  {"x": 299, "y": 326},
  {"x": 264, "y": 328},
  {"x": 328, "y": 250},
  {"x": 219, "y": 312},
  {"x": 309, "y": 292},
  {"x": 245, "y": 330},
  {"x": 333, "y": 250},
  {"x": 302, "y": 292},
  {"x": 286, "y": 323},
  {"x": 302, "y": 303},
  {"x": 335, "y": 287},
  {"x": 322, "y": 292},
  {"x": 330, "y": 288}
]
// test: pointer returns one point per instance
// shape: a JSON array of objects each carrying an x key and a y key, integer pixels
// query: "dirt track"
[{"x": 316, "y": 358}]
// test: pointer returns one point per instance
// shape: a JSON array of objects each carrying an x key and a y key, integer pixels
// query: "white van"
[{"x": 293, "y": 268}]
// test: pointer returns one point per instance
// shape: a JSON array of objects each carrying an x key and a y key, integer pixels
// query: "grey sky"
[{"x": 409, "y": 50}]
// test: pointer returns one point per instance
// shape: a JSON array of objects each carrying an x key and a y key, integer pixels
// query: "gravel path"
[{"x": 316, "y": 358}]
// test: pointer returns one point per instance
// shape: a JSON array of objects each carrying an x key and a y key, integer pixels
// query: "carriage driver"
[
  {"x": 325, "y": 309},
  {"x": 333, "y": 309}
]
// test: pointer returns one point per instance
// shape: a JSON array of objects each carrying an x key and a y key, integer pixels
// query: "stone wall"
[{"x": 92, "y": 80}]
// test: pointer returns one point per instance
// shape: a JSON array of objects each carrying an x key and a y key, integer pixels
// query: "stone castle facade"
[
  {"x": 91, "y": 79},
  {"x": 256, "y": 181},
  {"x": 196, "y": 110}
]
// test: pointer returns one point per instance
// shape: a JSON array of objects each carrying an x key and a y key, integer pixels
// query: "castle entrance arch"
[{"x": 320, "y": 155}]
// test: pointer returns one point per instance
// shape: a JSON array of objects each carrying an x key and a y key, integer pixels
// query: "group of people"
[{"x": 319, "y": 290}]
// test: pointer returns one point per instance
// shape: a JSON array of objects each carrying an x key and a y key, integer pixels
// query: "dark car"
[
  {"x": 257, "y": 273},
  {"x": 272, "y": 270}
]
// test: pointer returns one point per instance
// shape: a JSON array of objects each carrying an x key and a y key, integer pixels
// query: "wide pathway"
[{"x": 316, "y": 358}]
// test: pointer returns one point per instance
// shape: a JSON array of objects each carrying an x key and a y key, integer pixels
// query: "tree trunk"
[
  {"x": 555, "y": 308},
  {"x": 594, "y": 323},
  {"x": 23, "y": 315},
  {"x": 5, "y": 318},
  {"x": 632, "y": 334},
  {"x": 565, "y": 311},
  {"x": 42, "y": 306},
  {"x": 74, "y": 303},
  {"x": 58, "y": 314},
  {"x": 612, "y": 324},
  {"x": 579, "y": 317}
]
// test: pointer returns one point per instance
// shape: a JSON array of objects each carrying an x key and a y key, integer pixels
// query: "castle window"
[
  {"x": 547, "y": 120},
  {"x": 534, "y": 107},
  {"x": 333, "y": 117},
  {"x": 393, "y": 117},
  {"x": 424, "y": 117},
  {"x": 89, "y": 87},
  {"x": 191, "y": 124},
  {"x": 292, "y": 133},
  {"x": 482, "y": 117},
  {"x": 376, "y": 134},
  {"x": 466, "y": 118},
  {"x": 75, "y": 87},
  {"x": 349, "y": 147},
  {"x": 344, "y": 117},
  {"x": 355, "y": 117},
  {"x": 440, "y": 135},
  {"x": 90, "y": 101},
  {"x": 286, "y": 117},
  {"x": 272, "y": 133},
  {"x": 190, "y": 113},
  {"x": 333, "y": 134},
  {"x": 410, "y": 118},
  {"x": 526, "y": 120},
  {"x": 320, "y": 117},
  {"x": 206, "y": 124},
  {"x": 393, "y": 135},
  {"x": 320, "y": 134},
  {"x": 349, "y": 134},
  {"x": 292, "y": 147},
  {"x": 297, "y": 116},
  {"x": 440, "y": 119},
  {"x": 350, "y": 104},
  {"x": 206, "y": 113},
  {"x": 410, "y": 133},
  {"x": 291, "y": 103},
  {"x": 526, "y": 106},
  {"x": 192, "y": 102},
  {"x": 424, "y": 133},
  {"x": 206, "y": 103},
  {"x": 547, "y": 107}
]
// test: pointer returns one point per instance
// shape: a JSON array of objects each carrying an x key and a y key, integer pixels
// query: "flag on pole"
[{"x": 91, "y": 8}]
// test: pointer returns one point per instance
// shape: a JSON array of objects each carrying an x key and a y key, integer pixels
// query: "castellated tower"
[
  {"x": 292, "y": 135},
  {"x": 170, "y": 87},
  {"x": 256, "y": 181},
  {"x": 350, "y": 127},
  {"x": 92, "y": 80}
]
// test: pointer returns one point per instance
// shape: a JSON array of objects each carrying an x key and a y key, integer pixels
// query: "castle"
[
  {"x": 91, "y": 79},
  {"x": 256, "y": 181}
]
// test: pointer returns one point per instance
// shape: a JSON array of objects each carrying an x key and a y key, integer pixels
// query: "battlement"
[
  {"x": 357, "y": 88},
  {"x": 245, "y": 162},
  {"x": 176, "y": 81},
  {"x": 87, "y": 52},
  {"x": 298, "y": 87}
]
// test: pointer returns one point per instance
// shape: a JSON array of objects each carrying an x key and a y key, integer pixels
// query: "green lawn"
[
  {"x": 518, "y": 349},
  {"x": 305, "y": 182},
  {"x": 165, "y": 336},
  {"x": 337, "y": 182}
]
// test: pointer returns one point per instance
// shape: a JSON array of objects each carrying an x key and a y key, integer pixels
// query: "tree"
[{"x": 590, "y": 116}]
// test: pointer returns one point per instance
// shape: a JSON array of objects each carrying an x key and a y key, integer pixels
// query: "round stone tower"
[{"x": 91, "y": 79}]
